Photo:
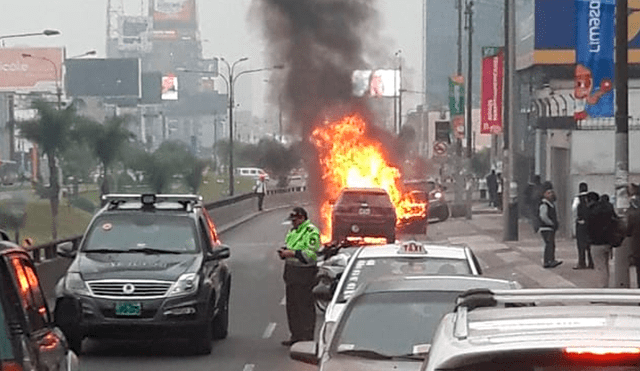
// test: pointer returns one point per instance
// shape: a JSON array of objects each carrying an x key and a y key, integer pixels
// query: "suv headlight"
[
  {"x": 74, "y": 284},
  {"x": 186, "y": 284}
]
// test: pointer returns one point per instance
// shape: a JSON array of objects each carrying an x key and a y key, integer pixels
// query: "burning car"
[
  {"x": 438, "y": 208},
  {"x": 363, "y": 212}
]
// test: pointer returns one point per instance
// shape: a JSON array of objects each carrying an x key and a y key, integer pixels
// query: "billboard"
[
  {"x": 111, "y": 77},
  {"x": 491, "y": 90},
  {"x": 41, "y": 71},
  {"x": 169, "y": 87},
  {"x": 174, "y": 11},
  {"x": 134, "y": 33},
  {"x": 595, "y": 33},
  {"x": 376, "y": 83}
]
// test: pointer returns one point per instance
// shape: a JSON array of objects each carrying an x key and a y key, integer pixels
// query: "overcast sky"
[{"x": 225, "y": 28}]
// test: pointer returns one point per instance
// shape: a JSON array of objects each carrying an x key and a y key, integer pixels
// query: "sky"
[{"x": 226, "y": 30}]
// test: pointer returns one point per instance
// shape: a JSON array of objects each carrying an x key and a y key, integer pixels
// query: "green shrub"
[{"x": 83, "y": 204}]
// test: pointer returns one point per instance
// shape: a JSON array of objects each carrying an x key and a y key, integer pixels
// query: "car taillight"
[
  {"x": 10, "y": 366},
  {"x": 602, "y": 354}
]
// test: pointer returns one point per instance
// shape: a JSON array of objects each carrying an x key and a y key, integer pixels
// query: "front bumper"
[{"x": 96, "y": 316}]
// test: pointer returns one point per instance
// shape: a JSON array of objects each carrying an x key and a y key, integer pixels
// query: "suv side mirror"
[
  {"x": 66, "y": 250},
  {"x": 219, "y": 253}
]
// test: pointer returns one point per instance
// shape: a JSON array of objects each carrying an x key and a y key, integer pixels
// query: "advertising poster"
[
  {"x": 594, "y": 73},
  {"x": 169, "y": 87},
  {"x": 376, "y": 83},
  {"x": 456, "y": 105},
  {"x": 31, "y": 69},
  {"x": 491, "y": 90}
]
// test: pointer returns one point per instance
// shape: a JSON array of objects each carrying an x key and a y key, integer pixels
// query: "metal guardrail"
[{"x": 46, "y": 251}]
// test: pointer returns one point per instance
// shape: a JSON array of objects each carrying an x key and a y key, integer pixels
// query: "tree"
[
  {"x": 168, "y": 160},
  {"x": 106, "y": 141},
  {"x": 51, "y": 130}
]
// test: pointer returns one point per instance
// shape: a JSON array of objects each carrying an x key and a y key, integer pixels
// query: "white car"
[
  {"x": 409, "y": 258},
  {"x": 540, "y": 330}
]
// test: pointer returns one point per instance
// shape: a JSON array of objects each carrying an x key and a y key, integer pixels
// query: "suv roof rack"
[
  {"x": 150, "y": 199},
  {"x": 483, "y": 298}
]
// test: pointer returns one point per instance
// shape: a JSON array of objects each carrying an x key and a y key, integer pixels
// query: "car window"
[
  {"x": 126, "y": 232},
  {"x": 373, "y": 199},
  {"x": 366, "y": 269},
  {"x": 6, "y": 350},
  {"x": 31, "y": 296},
  {"x": 392, "y": 323}
]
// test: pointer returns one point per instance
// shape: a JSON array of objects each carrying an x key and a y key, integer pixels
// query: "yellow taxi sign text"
[{"x": 412, "y": 247}]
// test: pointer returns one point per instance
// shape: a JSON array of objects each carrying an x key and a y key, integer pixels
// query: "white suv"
[{"x": 539, "y": 330}]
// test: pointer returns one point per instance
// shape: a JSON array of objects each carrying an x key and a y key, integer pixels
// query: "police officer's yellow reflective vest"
[{"x": 305, "y": 242}]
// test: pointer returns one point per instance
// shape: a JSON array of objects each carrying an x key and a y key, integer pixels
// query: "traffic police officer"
[{"x": 300, "y": 255}]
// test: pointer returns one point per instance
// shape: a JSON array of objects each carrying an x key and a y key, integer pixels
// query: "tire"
[
  {"x": 220, "y": 323},
  {"x": 66, "y": 316},
  {"x": 201, "y": 344},
  {"x": 391, "y": 238},
  {"x": 74, "y": 338},
  {"x": 444, "y": 214}
]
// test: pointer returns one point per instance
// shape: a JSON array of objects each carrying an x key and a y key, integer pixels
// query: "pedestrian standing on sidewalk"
[
  {"x": 261, "y": 189},
  {"x": 492, "y": 187},
  {"x": 549, "y": 225},
  {"x": 600, "y": 221},
  {"x": 633, "y": 226},
  {"x": 580, "y": 210}
]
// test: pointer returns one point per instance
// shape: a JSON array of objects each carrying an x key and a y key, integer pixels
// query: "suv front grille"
[{"x": 129, "y": 288}]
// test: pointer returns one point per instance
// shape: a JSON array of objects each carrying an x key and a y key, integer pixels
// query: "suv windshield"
[{"x": 142, "y": 232}]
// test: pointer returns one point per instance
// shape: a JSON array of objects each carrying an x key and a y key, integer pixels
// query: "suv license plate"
[
  {"x": 128, "y": 309},
  {"x": 364, "y": 211}
]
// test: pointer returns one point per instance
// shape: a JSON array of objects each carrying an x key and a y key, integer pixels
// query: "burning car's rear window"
[{"x": 371, "y": 198}]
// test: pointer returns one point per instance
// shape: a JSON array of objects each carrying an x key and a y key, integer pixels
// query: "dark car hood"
[{"x": 97, "y": 266}]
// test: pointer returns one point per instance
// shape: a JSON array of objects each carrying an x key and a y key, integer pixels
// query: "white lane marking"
[
  {"x": 269, "y": 330},
  {"x": 283, "y": 301},
  {"x": 249, "y": 367}
]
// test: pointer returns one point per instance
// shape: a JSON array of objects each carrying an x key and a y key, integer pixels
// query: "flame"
[{"x": 349, "y": 158}]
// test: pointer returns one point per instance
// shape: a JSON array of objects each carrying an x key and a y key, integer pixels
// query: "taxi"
[
  {"x": 410, "y": 258},
  {"x": 388, "y": 323},
  {"x": 541, "y": 330}
]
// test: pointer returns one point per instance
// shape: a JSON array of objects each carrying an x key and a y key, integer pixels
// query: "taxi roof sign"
[{"x": 412, "y": 247}]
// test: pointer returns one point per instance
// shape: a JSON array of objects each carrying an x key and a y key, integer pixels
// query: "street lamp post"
[
  {"x": 230, "y": 83},
  {"x": 55, "y": 69},
  {"x": 43, "y": 33}
]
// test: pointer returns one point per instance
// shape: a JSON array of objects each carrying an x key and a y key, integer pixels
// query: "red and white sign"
[
  {"x": 41, "y": 71},
  {"x": 491, "y": 100},
  {"x": 169, "y": 87},
  {"x": 183, "y": 11},
  {"x": 440, "y": 148}
]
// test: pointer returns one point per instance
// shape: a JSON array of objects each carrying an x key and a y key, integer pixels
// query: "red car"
[{"x": 363, "y": 212}]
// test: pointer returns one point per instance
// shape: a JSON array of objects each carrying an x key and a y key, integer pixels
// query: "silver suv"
[{"x": 541, "y": 330}]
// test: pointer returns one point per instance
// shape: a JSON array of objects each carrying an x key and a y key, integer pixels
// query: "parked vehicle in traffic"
[
  {"x": 29, "y": 339},
  {"x": 363, "y": 212},
  {"x": 252, "y": 172},
  {"x": 148, "y": 266},
  {"x": 418, "y": 221},
  {"x": 541, "y": 330},
  {"x": 411, "y": 258},
  {"x": 438, "y": 205},
  {"x": 387, "y": 324}
]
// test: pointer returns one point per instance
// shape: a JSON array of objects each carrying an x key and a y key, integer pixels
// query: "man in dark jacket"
[
  {"x": 548, "y": 225},
  {"x": 633, "y": 226},
  {"x": 600, "y": 219},
  {"x": 582, "y": 233}
]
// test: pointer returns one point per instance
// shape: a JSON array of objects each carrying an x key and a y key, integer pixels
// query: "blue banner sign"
[{"x": 595, "y": 33}]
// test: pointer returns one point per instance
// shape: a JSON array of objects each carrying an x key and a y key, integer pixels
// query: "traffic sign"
[{"x": 440, "y": 148}]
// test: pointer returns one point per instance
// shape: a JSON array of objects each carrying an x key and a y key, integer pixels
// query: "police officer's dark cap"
[{"x": 297, "y": 211}]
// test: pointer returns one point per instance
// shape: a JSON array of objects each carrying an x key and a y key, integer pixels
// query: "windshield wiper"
[
  {"x": 364, "y": 353},
  {"x": 149, "y": 250},
  {"x": 105, "y": 251},
  {"x": 411, "y": 356}
]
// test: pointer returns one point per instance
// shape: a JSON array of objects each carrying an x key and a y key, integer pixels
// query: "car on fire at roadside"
[
  {"x": 148, "y": 266},
  {"x": 438, "y": 210},
  {"x": 363, "y": 212}
]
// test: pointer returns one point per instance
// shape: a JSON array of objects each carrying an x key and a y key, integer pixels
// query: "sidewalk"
[{"x": 520, "y": 260}]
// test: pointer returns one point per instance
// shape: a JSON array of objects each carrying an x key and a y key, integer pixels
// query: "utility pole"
[
  {"x": 469, "y": 127},
  {"x": 509, "y": 208},
  {"x": 621, "y": 253},
  {"x": 11, "y": 125}
]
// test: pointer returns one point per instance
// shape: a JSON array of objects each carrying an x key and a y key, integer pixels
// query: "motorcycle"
[{"x": 330, "y": 269}]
